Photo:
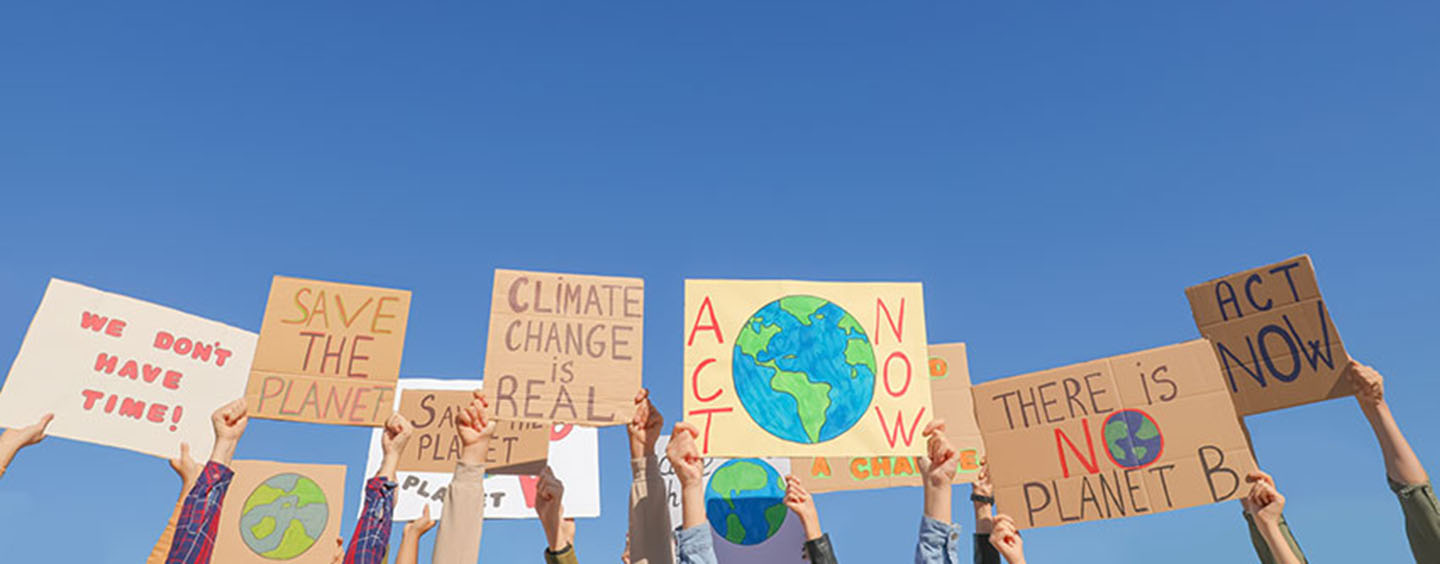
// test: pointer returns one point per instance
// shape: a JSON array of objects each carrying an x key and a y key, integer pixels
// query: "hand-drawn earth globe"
[
  {"x": 284, "y": 516},
  {"x": 1132, "y": 438},
  {"x": 804, "y": 369},
  {"x": 745, "y": 501}
]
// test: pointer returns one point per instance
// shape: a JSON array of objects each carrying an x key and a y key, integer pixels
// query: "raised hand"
[
  {"x": 1006, "y": 540},
  {"x": 229, "y": 422},
  {"x": 645, "y": 426},
  {"x": 689, "y": 466},
  {"x": 550, "y": 508},
  {"x": 938, "y": 468},
  {"x": 1369, "y": 385},
  {"x": 475, "y": 429},
  {"x": 12, "y": 440},
  {"x": 420, "y": 526},
  {"x": 186, "y": 467},
  {"x": 800, "y": 502},
  {"x": 982, "y": 487},
  {"x": 392, "y": 443},
  {"x": 1264, "y": 502}
]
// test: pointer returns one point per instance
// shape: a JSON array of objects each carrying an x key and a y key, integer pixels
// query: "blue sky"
[{"x": 1055, "y": 174}]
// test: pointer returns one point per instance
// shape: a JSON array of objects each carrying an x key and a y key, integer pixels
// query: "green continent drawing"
[
  {"x": 744, "y": 501},
  {"x": 804, "y": 369},
  {"x": 284, "y": 516}
]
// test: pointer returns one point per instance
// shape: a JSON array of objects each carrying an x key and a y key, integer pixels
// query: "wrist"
[
  {"x": 812, "y": 528},
  {"x": 223, "y": 452},
  {"x": 474, "y": 455}
]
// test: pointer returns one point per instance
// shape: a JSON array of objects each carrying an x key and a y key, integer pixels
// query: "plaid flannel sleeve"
[
  {"x": 372, "y": 532},
  {"x": 200, "y": 517}
]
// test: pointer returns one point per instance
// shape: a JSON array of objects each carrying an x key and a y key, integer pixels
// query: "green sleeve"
[
  {"x": 566, "y": 556},
  {"x": 1262, "y": 549}
]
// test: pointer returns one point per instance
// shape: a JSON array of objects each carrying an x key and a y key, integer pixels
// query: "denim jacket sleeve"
[
  {"x": 939, "y": 543},
  {"x": 695, "y": 545}
]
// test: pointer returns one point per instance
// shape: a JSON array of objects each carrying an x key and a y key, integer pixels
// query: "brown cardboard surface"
[
  {"x": 274, "y": 517},
  {"x": 1273, "y": 336},
  {"x": 328, "y": 353},
  {"x": 1053, "y": 463},
  {"x": 516, "y": 448},
  {"x": 805, "y": 348},
  {"x": 949, "y": 370},
  {"x": 564, "y": 347}
]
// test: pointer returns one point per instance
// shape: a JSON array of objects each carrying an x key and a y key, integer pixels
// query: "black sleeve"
[
  {"x": 984, "y": 553},
  {"x": 819, "y": 550}
]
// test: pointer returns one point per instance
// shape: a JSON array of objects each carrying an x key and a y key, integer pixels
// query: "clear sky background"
[{"x": 1055, "y": 174}]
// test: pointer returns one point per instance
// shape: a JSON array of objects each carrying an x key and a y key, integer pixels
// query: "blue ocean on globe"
[
  {"x": 745, "y": 501},
  {"x": 804, "y": 369},
  {"x": 1133, "y": 438}
]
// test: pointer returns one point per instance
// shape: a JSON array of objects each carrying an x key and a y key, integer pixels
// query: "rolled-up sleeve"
[
  {"x": 650, "y": 540},
  {"x": 695, "y": 545},
  {"x": 372, "y": 532},
  {"x": 194, "y": 539},
  {"x": 939, "y": 543}
]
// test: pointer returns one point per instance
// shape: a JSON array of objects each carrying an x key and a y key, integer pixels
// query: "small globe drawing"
[
  {"x": 1133, "y": 439},
  {"x": 284, "y": 516},
  {"x": 804, "y": 369},
  {"x": 745, "y": 501}
]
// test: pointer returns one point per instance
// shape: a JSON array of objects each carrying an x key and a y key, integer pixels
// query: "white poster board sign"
[
  {"x": 757, "y": 539},
  {"x": 574, "y": 456},
  {"x": 121, "y": 372}
]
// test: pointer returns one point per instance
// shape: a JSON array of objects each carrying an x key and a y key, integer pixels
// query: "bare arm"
[{"x": 1401, "y": 464}]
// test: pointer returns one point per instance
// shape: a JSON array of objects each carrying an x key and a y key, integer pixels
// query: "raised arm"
[
  {"x": 371, "y": 540},
  {"x": 1005, "y": 538},
  {"x": 1265, "y": 507},
  {"x": 550, "y": 508},
  {"x": 649, "y": 540},
  {"x": 409, "y": 552},
  {"x": 12, "y": 440},
  {"x": 982, "y": 499},
  {"x": 194, "y": 538},
  {"x": 189, "y": 472},
  {"x": 693, "y": 542},
  {"x": 937, "y": 544},
  {"x": 817, "y": 543},
  {"x": 1406, "y": 475},
  {"x": 463, "y": 517}
]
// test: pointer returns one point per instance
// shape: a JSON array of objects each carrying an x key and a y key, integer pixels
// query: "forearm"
[
  {"x": 7, "y": 454},
  {"x": 200, "y": 517},
  {"x": 224, "y": 451},
  {"x": 937, "y": 502},
  {"x": 463, "y": 517},
  {"x": 1401, "y": 463},
  {"x": 371, "y": 539},
  {"x": 650, "y": 536},
  {"x": 1264, "y": 547},
  {"x": 692, "y": 502},
  {"x": 162, "y": 546},
  {"x": 1279, "y": 547},
  {"x": 409, "y": 552},
  {"x": 984, "y": 518}
]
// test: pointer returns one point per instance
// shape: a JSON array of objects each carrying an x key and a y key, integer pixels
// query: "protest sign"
[
  {"x": 564, "y": 348},
  {"x": 782, "y": 368},
  {"x": 1161, "y": 417},
  {"x": 745, "y": 508},
  {"x": 121, "y": 372},
  {"x": 328, "y": 353},
  {"x": 573, "y": 455},
  {"x": 950, "y": 389},
  {"x": 431, "y": 406},
  {"x": 276, "y": 511},
  {"x": 1273, "y": 336}
]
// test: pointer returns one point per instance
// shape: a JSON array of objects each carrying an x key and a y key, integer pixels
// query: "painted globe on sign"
[
  {"x": 284, "y": 516},
  {"x": 745, "y": 501},
  {"x": 1133, "y": 439},
  {"x": 804, "y": 369}
]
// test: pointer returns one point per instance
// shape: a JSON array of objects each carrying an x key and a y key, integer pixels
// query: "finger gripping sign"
[
  {"x": 328, "y": 353},
  {"x": 281, "y": 512},
  {"x": 564, "y": 347},
  {"x": 1273, "y": 336},
  {"x": 1128, "y": 435},
  {"x": 121, "y": 372},
  {"x": 949, "y": 374},
  {"x": 780, "y": 368}
]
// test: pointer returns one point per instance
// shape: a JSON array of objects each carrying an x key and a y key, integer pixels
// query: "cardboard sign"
[
  {"x": 1273, "y": 336},
  {"x": 125, "y": 373},
  {"x": 328, "y": 353},
  {"x": 1128, "y": 435},
  {"x": 276, "y": 511},
  {"x": 785, "y": 368},
  {"x": 574, "y": 454},
  {"x": 756, "y": 510},
  {"x": 431, "y": 406},
  {"x": 950, "y": 387},
  {"x": 565, "y": 348}
]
